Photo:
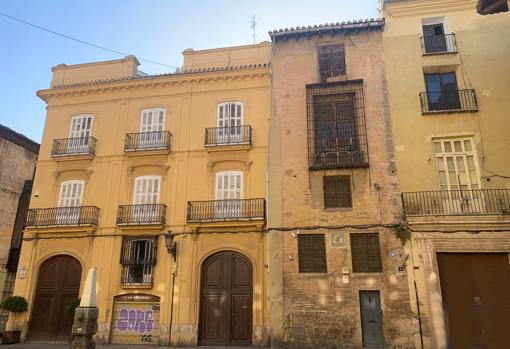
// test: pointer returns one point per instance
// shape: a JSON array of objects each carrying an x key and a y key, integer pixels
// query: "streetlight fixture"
[{"x": 171, "y": 246}]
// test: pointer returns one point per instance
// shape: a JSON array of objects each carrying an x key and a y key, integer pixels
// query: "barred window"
[
  {"x": 138, "y": 258},
  {"x": 312, "y": 253},
  {"x": 366, "y": 253},
  {"x": 331, "y": 61},
  {"x": 337, "y": 136},
  {"x": 337, "y": 191}
]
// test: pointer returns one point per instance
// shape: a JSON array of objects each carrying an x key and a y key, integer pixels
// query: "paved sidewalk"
[{"x": 112, "y": 346}]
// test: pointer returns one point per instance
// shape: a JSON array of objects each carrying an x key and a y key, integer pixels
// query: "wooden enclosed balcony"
[
  {"x": 62, "y": 216},
  {"x": 74, "y": 146},
  {"x": 145, "y": 141},
  {"x": 226, "y": 210},
  {"x": 457, "y": 202},
  {"x": 146, "y": 214}
]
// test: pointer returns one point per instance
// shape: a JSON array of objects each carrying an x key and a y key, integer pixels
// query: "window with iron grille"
[
  {"x": 312, "y": 253},
  {"x": 331, "y": 61},
  {"x": 337, "y": 191},
  {"x": 366, "y": 253},
  {"x": 138, "y": 258},
  {"x": 337, "y": 136}
]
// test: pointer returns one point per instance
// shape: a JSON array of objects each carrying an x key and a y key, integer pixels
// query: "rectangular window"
[
  {"x": 337, "y": 191},
  {"x": 312, "y": 253},
  {"x": 337, "y": 136},
  {"x": 442, "y": 91},
  {"x": 331, "y": 61},
  {"x": 138, "y": 258},
  {"x": 366, "y": 253}
]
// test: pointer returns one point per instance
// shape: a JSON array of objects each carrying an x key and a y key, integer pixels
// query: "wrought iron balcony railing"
[
  {"x": 457, "y": 202},
  {"x": 62, "y": 216},
  {"x": 448, "y": 101},
  {"x": 436, "y": 44},
  {"x": 141, "y": 214},
  {"x": 148, "y": 141},
  {"x": 74, "y": 146},
  {"x": 226, "y": 210},
  {"x": 231, "y": 135}
]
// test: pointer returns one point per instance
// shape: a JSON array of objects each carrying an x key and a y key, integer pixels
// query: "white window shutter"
[
  {"x": 81, "y": 126},
  {"x": 71, "y": 193},
  {"x": 146, "y": 190}
]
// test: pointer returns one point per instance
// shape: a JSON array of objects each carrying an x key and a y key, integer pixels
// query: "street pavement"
[{"x": 32, "y": 345}]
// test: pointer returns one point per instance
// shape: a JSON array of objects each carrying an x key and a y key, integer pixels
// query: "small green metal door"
[{"x": 371, "y": 319}]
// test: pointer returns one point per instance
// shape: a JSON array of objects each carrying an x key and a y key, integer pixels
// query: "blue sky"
[{"x": 154, "y": 29}]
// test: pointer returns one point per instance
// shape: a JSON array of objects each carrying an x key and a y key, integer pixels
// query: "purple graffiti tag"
[
  {"x": 122, "y": 320},
  {"x": 135, "y": 320}
]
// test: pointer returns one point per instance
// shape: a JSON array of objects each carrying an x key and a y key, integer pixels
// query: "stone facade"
[
  {"x": 17, "y": 165},
  {"x": 320, "y": 309}
]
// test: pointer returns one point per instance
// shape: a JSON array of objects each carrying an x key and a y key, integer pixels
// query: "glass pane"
[
  {"x": 453, "y": 179},
  {"x": 458, "y": 146},
  {"x": 447, "y": 147},
  {"x": 473, "y": 177},
  {"x": 467, "y": 145},
  {"x": 437, "y": 147},
  {"x": 460, "y": 163},
  {"x": 442, "y": 178},
  {"x": 471, "y": 162},
  {"x": 440, "y": 164},
  {"x": 451, "y": 166},
  {"x": 433, "y": 83}
]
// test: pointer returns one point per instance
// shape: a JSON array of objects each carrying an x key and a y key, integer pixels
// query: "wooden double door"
[
  {"x": 226, "y": 300},
  {"x": 58, "y": 284},
  {"x": 476, "y": 299}
]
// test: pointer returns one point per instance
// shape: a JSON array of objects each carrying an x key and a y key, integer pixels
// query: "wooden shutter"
[
  {"x": 70, "y": 193},
  {"x": 366, "y": 253},
  {"x": 146, "y": 190},
  {"x": 331, "y": 61},
  {"x": 152, "y": 120},
  {"x": 312, "y": 253},
  {"x": 337, "y": 191},
  {"x": 229, "y": 185},
  {"x": 81, "y": 126}
]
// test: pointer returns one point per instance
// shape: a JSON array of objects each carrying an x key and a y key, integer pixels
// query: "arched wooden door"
[
  {"x": 58, "y": 284},
  {"x": 226, "y": 300}
]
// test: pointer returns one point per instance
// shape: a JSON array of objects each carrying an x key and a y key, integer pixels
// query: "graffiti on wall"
[{"x": 135, "y": 320}]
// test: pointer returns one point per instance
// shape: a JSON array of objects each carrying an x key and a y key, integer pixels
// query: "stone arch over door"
[
  {"x": 58, "y": 284},
  {"x": 226, "y": 300}
]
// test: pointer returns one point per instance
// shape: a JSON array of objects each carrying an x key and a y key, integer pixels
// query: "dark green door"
[{"x": 371, "y": 319}]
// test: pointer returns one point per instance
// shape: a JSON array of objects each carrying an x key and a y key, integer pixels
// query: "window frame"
[
  {"x": 229, "y": 173},
  {"x": 314, "y": 269},
  {"x": 78, "y": 117},
  {"x": 337, "y": 193},
  {"x": 127, "y": 262},
  {"x": 367, "y": 262},
  {"x": 154, "y": 111},
  {"x": 70, "y": 182},
  {"x": 342, "y": 66},
  {"x": 147, "y": 177}
]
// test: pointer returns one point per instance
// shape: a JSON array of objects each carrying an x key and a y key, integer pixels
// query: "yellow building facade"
[
  {"x": 447, "y": 70},
  {"x": 159, "y": 183}
]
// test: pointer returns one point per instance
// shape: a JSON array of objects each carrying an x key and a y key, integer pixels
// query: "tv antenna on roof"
[{"x": 253, "y": 26}]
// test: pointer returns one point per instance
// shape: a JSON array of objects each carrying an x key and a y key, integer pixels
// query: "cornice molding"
[
  {"x": 153, "y": 82},
  {"x": 434, "y": 7}
]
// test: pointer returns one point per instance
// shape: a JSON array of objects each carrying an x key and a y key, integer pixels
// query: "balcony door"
[
  {"x": 434, "y": 38},
  {"x": 145, "y": 196},
  {"x": 79, "y": 133},
  {"x": 459, "y": 176},
  {"x": 152, "y": 124},
  {"x": 69, "y": 202},
  {"x": 229, "y": 192},
  {"x": 229, "y": 122},
  {"x": 442, "y": 91}
]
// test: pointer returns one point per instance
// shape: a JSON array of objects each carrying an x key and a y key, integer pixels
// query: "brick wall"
[{"x": 320, "y": 309}]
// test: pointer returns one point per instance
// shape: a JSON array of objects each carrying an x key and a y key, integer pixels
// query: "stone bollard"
[{"x": 85, "y": 317}]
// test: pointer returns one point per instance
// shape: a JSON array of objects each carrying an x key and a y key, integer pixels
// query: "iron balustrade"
[
  {"x": 139, "y": 273},
  {"x": 435, "y": 44},
  {"x": 226, "y": 210},
  {"x": 448, "y": 101},
  {"x": 457, "y": 202},
  {"x": 141, "y": 214},
  {"x": 74, "y": 146},
  {"x": 230, "y": 135},
  {"x": 62, "y": 216},
  {"x": 148, "y": 141}
]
